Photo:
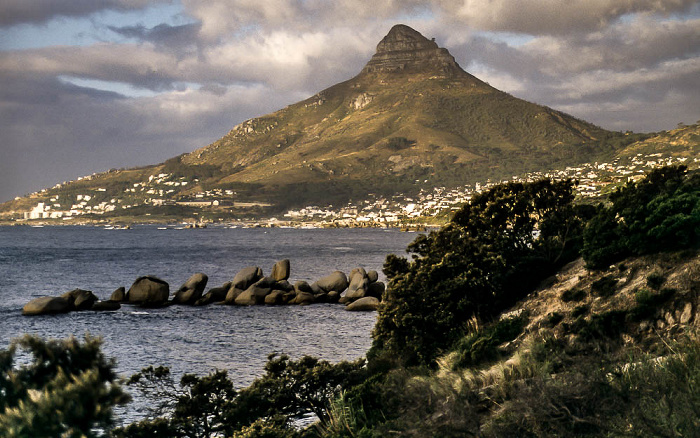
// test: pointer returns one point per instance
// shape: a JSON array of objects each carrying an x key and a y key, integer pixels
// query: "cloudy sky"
[{"x": 89, "y": 85}]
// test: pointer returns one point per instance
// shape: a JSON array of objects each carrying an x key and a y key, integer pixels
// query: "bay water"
[{"x": 37, "y": 262}]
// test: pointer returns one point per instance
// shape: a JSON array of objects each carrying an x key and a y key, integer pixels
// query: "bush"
[
  {"x": 494, "y": 252},
  {"x": 68, "y": 388},
  {"x": 482, "y": 345},
  {"x": 659, "y": 213},
  {"x": 573, "y": 295},
  {"x": 655, "y": 280},
  {"x": 604, "y": 287}
]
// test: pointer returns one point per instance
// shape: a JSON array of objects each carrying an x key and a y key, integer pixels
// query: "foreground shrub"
[
  {"x": 659, "y": 213},
  {"x": 68, "y": 388},
  {"x": 494, "y": 252}
]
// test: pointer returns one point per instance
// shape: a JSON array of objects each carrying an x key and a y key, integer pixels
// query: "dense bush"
[
  {"x": 209, "y": 406},
  {"x": 495, "y": 251},
  {"x": 68, "y": 389},
  {"x": 659, "y": 213}
]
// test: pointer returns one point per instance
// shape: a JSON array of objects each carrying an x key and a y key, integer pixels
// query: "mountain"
[
  {"x": 411, "y": 119},
  {"x": 411, "y": 115}
]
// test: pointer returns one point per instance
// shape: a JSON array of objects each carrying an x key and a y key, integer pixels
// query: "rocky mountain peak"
[{"x": 405, "y": 49}]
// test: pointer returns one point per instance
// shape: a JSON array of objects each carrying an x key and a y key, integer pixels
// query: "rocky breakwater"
[
  {"x": 74, "y": 300},
  {"x": 359, "y": 291}
]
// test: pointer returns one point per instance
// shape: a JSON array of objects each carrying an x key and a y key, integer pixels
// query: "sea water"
[{"x": 36, "y": 262}]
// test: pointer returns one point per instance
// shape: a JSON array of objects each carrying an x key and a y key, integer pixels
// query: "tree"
[
  {"x": 659, "y": 213},
  {"x": 495, "y": 251},
  {"x": 67, "y": 390}
]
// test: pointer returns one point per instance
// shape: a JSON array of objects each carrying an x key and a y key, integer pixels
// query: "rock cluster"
[
  {"x": 75, "y": 300},
  {"x": 361, "y": 290}
]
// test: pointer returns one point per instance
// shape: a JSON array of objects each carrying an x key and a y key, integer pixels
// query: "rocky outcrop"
[
  {"x": 118, "y": 295},
  {"x": 405, "y": 49},
  {"x": 337, "y": 281},
  {"x": 149, "y": 291},
  {"x": 214, "y": 295},
  {"x": 246, "y": 277},
  {"x": 191, "y": 290},
  {"x": 280, "y": 271},
  {"x": 275, "y": 289},
  {"x": 80, "y": 299},
  {"x": 363, "y": 304},
  {"x": 47, "y": 306}
]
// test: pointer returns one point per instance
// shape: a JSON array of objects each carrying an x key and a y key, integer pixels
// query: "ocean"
[{"x": 36, "y": 262}]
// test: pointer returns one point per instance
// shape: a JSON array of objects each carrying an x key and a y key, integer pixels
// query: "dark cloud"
[
  {"x": 14, "y": 12},
  {"x": 553, "y": 17},
  {"x": 180, "y": 39}
]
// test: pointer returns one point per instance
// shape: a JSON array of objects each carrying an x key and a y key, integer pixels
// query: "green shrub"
[
  {"x": 486, "y": 259},
  {"x": 659, "y": 213},
  {"x": 574, "y": 294},
  {"x": 604, "y": 287},
  {"x": 648, "y": 302},
  {"x": 482, "y": 345},
  {"x": 554, "y": 318},
  {"x": 655, "y": 280},
  {"x": 580, "y": 310}
]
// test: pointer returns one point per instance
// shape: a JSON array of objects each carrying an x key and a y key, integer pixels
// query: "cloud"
[
  {"x": 40, "y": 11},
  {"x": 622, "y": 64},
  {"x": 553, "y": 17}
]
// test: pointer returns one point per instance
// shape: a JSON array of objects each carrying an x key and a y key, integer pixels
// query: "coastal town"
[{"x": 427, "y": 207}]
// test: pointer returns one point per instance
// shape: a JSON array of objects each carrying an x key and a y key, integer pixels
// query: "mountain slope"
[
  {"x": 411, "y": 114},
  {"x": 411, "y": 119}
]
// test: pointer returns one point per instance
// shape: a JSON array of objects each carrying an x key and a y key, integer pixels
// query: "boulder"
[
  {"x": 333, "y": 296},
  {"x": 360, "y": 271},
  {"x": 280, "y": 271},
  {"x": 373, "y": 276},
  {"x": 336, "y": 281},
  {"x": 118, "y": 295},
  {"x": 232, "y": 294},
  {"x": 304, "y": 298},
  {"x": 191, "y": 290},
  {"x": 109, "y": 305},
  {"x": 214, "y": 295},
  {"x": 352, "y": 295},
  {"x": 246, "y": 277},
  {"x": 288, "y": 297},
  {"x": 47, "y": 306},
  {"x": 321, "y": 298},
  {"x": 252, "y": 296},
  {"x": 275, "y": 297},
  {"x": 302, "y": 286},
  {"x": 266, "y": 282},
  {"x": 80, "y": 299},
  {"x": 358, "y": 280},
  {"x": 363, "y": 304},
  {"x": 316, "y": 289},
  {"x": 283, "y": 285},
  {"x": 376, "y": 289},
  {"x": 149, "y": 291}
]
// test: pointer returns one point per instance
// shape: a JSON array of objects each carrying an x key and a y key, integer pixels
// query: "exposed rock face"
[
  {"x": 148, "y": 290},
  {"x": 280, "y": 271},
  {"x": 118, "y": 295},
  {"x": 246, "y": 277},
  {"x": 215, "y": 295},
  {"x": 336, "y": 281},
  {"x": 47, "y": 306},
  {"x": 80, "y": 299},
  {"x": 363, "y": 304},
  {"x": 405, "y": 49},
  {"x": 191, "y": 290},
  {"x": 106, "y": 306}
]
